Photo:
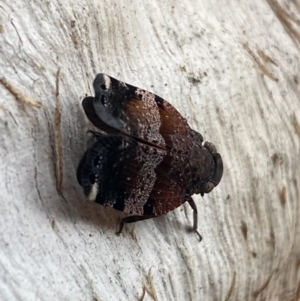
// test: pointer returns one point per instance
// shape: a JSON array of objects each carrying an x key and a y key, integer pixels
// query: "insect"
[{"x": 145, "y": 160}]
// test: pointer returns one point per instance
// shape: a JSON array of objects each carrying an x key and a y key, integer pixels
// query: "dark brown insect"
[{"x": 146, "y": 160}]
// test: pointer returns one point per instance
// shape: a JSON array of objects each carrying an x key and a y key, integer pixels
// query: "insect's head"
[{"x": 207, "y": 167}]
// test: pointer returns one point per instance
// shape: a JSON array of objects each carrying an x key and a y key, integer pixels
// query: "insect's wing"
[
  {"x": 130, "y": 176},
  {"x": 118, "y": 171},
  {"x": 98, "y": 171},
  {"x": 118, "y": 106},
  {"x": 90, "y": 112},
  {"x": 167, "y": 194}
]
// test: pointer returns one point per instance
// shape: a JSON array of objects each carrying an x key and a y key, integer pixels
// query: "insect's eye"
[{"x": 103, "y": 87}]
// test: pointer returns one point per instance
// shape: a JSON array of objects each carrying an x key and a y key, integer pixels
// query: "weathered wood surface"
[{"x": 232, "y": 69}]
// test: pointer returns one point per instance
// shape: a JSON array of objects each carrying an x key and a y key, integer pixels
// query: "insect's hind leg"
[
  {"x": 194, "y": 207},
  {"x": 132, "y": 219}
]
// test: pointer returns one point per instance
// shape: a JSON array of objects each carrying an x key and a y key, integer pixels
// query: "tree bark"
[{"x": 231, "y": 68}]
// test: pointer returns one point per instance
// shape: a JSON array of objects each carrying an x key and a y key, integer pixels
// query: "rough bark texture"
[{"x": 231, "y": 68}]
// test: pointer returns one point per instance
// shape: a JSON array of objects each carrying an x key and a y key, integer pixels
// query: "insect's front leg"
[{"x": 194, "y": 207}]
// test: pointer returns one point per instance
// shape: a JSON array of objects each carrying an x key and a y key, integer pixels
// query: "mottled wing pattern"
[
  {"x": 125, "y": 108},
  {"x": 179, "y": 140},
  {"x": 146, "y": 160},
  {"x": 120, "y": 107},
  {"x": 140, "y": 166},
  {"x": 167, "y": 194},
  {"x": 120, "y": 172}
]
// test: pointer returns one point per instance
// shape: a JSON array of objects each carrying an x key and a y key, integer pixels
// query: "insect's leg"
[
  {"x": 194, "y": 207},
  {"x": 132, "y": 219}
]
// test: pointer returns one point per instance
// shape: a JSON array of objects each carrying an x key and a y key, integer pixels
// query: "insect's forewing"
[
  {"x": 123, "y": 108},
  {"x": 130, "y": 176},
  {"x": 90, "y": 112}
]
